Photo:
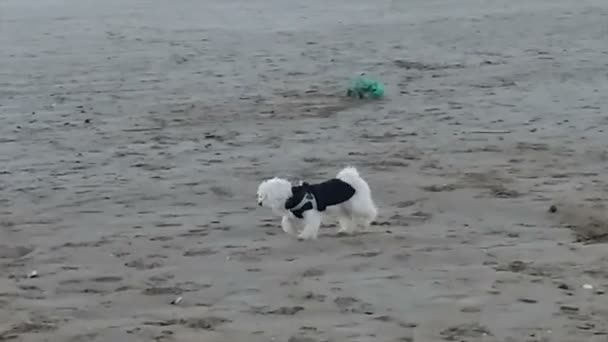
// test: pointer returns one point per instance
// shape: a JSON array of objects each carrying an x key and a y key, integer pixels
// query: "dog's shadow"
[{"x": 342, "y": 235}]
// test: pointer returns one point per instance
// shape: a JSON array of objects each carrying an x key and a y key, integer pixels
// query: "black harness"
[
  {"x": 318, "y": 196},
  {"x": 308, "y": 202}
]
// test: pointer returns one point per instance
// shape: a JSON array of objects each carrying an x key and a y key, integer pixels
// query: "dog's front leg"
[
  {"x": 312, "y": 222},
  {"x": 287, "y": 226}
]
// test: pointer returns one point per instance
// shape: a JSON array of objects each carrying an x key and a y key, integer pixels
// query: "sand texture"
[{"x": 133, "y": 135}]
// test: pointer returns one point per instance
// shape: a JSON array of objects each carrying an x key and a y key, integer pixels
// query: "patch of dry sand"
[{"x": 133, "y": 135}]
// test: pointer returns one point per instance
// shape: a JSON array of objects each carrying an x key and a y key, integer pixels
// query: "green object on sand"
[{"x": 362, "y": 87}]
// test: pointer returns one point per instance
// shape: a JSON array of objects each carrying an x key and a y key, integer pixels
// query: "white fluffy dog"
[{"x": 346, "y": 197}]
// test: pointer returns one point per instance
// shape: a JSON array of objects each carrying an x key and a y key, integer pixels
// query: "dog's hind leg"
[
  {"x": 312, "y": 222},
  {"x": 346, "y": 225},
  {"x": 365, "y": 214},
  {"x": 345, "y": 219},
  {"x": 366, "y": 219}
]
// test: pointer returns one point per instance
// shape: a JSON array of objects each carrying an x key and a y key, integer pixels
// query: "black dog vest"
[{"x": 318, "y": 196}]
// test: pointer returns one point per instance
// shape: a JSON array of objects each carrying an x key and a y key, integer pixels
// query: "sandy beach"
[{"x": 134, "y": 133}]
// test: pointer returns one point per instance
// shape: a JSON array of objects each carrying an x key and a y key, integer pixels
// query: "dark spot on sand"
[
  {"x": 345, "y": 302},
  {"x": 286, "y": 310},
  {"x": 567, "y": 308},
  {"x": 464, "y": 331},
  {"x": 204, "y": 323},
  {"x": 527, "y": 300},
  {"x": 107, "y": 279},
  {"x": 439, "y": 188},
  {"x": 313, "y": 272},
  {"x": 301, "y": 339},
  {"x": 369, "y": 254},
  {"x": 199, "y": 252},
  {"x": 156, "y": 291}
]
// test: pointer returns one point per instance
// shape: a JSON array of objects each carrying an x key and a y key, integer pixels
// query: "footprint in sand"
[
  {"x": 313, "y": 273},
  {"x": 195, "y": 232},
  {"x": 84, "y": 244},
  {"x": 160, "y": 291},
  {"x": 96, "y": 285},
  {"x": 251, "y": 255},
  {"x": 353, "y": 305},
  {"x": 221, "y": 192},
  {"x": 368, "y": 254},
  {"x": 286, "y": 310},
  {"x": 199, "y": 252},
  {"x": 14, "y": 332},
  {"x": 192, "y": 286},
  {"x": 106, "y": 279},
  {"x": 161, "y": 238},
  {"x": 314, "y": 296},
  {"x": 160, "y": 278},
  {"x": 177, "y": 289},
  {"x": 30, "y": 292},
  {"x": 439, "y": 187},
  {"x": 141, "y": 264},
  {"x": 500, "y": 191},
  {"x": 202, "y": 323},
  {"x": 465, "y": 331},
  {"x": 301, "y": 339}
]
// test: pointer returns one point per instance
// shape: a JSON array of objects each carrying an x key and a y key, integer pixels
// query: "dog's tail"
[
  {"x": 351, "y": 176},
  {"x": 363, "y": 193}
]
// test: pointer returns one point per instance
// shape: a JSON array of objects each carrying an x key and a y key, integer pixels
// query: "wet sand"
[{"x": 133, "y": 135}]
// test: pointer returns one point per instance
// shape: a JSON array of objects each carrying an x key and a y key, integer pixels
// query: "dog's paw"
[
  {"x": 303, "y": 236},
  {"x": 289, "y": 230}
]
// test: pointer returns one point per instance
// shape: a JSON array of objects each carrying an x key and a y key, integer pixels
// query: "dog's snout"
[{"x": 260, "y": 203}]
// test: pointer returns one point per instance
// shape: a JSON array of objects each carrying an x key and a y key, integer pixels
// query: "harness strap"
[{"x": 308, "y": 198}]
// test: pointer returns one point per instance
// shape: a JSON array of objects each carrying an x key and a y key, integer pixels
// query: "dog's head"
[{"x": 273, "y": 193}]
